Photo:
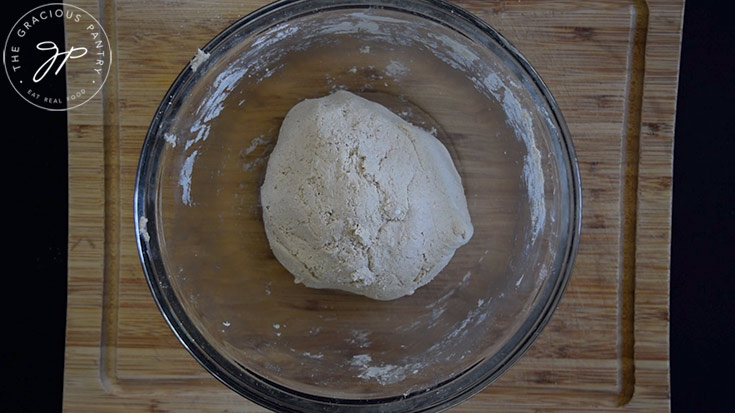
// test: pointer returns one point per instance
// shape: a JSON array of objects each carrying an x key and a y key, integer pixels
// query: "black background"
[
  {"x": 703, "y": 235},
  {"x": 34, "y": 187}
]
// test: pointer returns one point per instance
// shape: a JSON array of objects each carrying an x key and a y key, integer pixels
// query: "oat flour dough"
[{"x": 357, "y": 199}]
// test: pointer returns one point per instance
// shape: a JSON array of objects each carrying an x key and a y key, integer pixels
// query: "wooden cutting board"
[{"x": 613, "y": 67}]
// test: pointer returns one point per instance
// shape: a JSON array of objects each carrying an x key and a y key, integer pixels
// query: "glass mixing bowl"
[{"x": 291, "y": 348}]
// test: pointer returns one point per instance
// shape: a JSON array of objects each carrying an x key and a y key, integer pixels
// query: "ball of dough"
[{"x": 357, "y": 199}]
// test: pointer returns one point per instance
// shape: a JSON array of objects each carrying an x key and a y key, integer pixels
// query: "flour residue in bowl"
[
  {"x": 170, "y": 138},
  {"x": 445, "y": 349},
  {"x": 253, "y": 159},
  {"x": 213, "y": 104},
  {"x": 462, "y": 58},
  {"x": 199, "y": 58},
  {"x": 185, "y": 178},
  {"x": 222, "y": 86},
  {"x": 143, "y": 228},
  {"x": 384, "y": 374},
  {"x": 522, "y": 123},
  {"x": 396, "y": 69},
  {"x": 444, "y": 47}
]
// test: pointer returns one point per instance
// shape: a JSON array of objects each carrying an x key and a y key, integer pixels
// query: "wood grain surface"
[{"x": 612, "y": 66}]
